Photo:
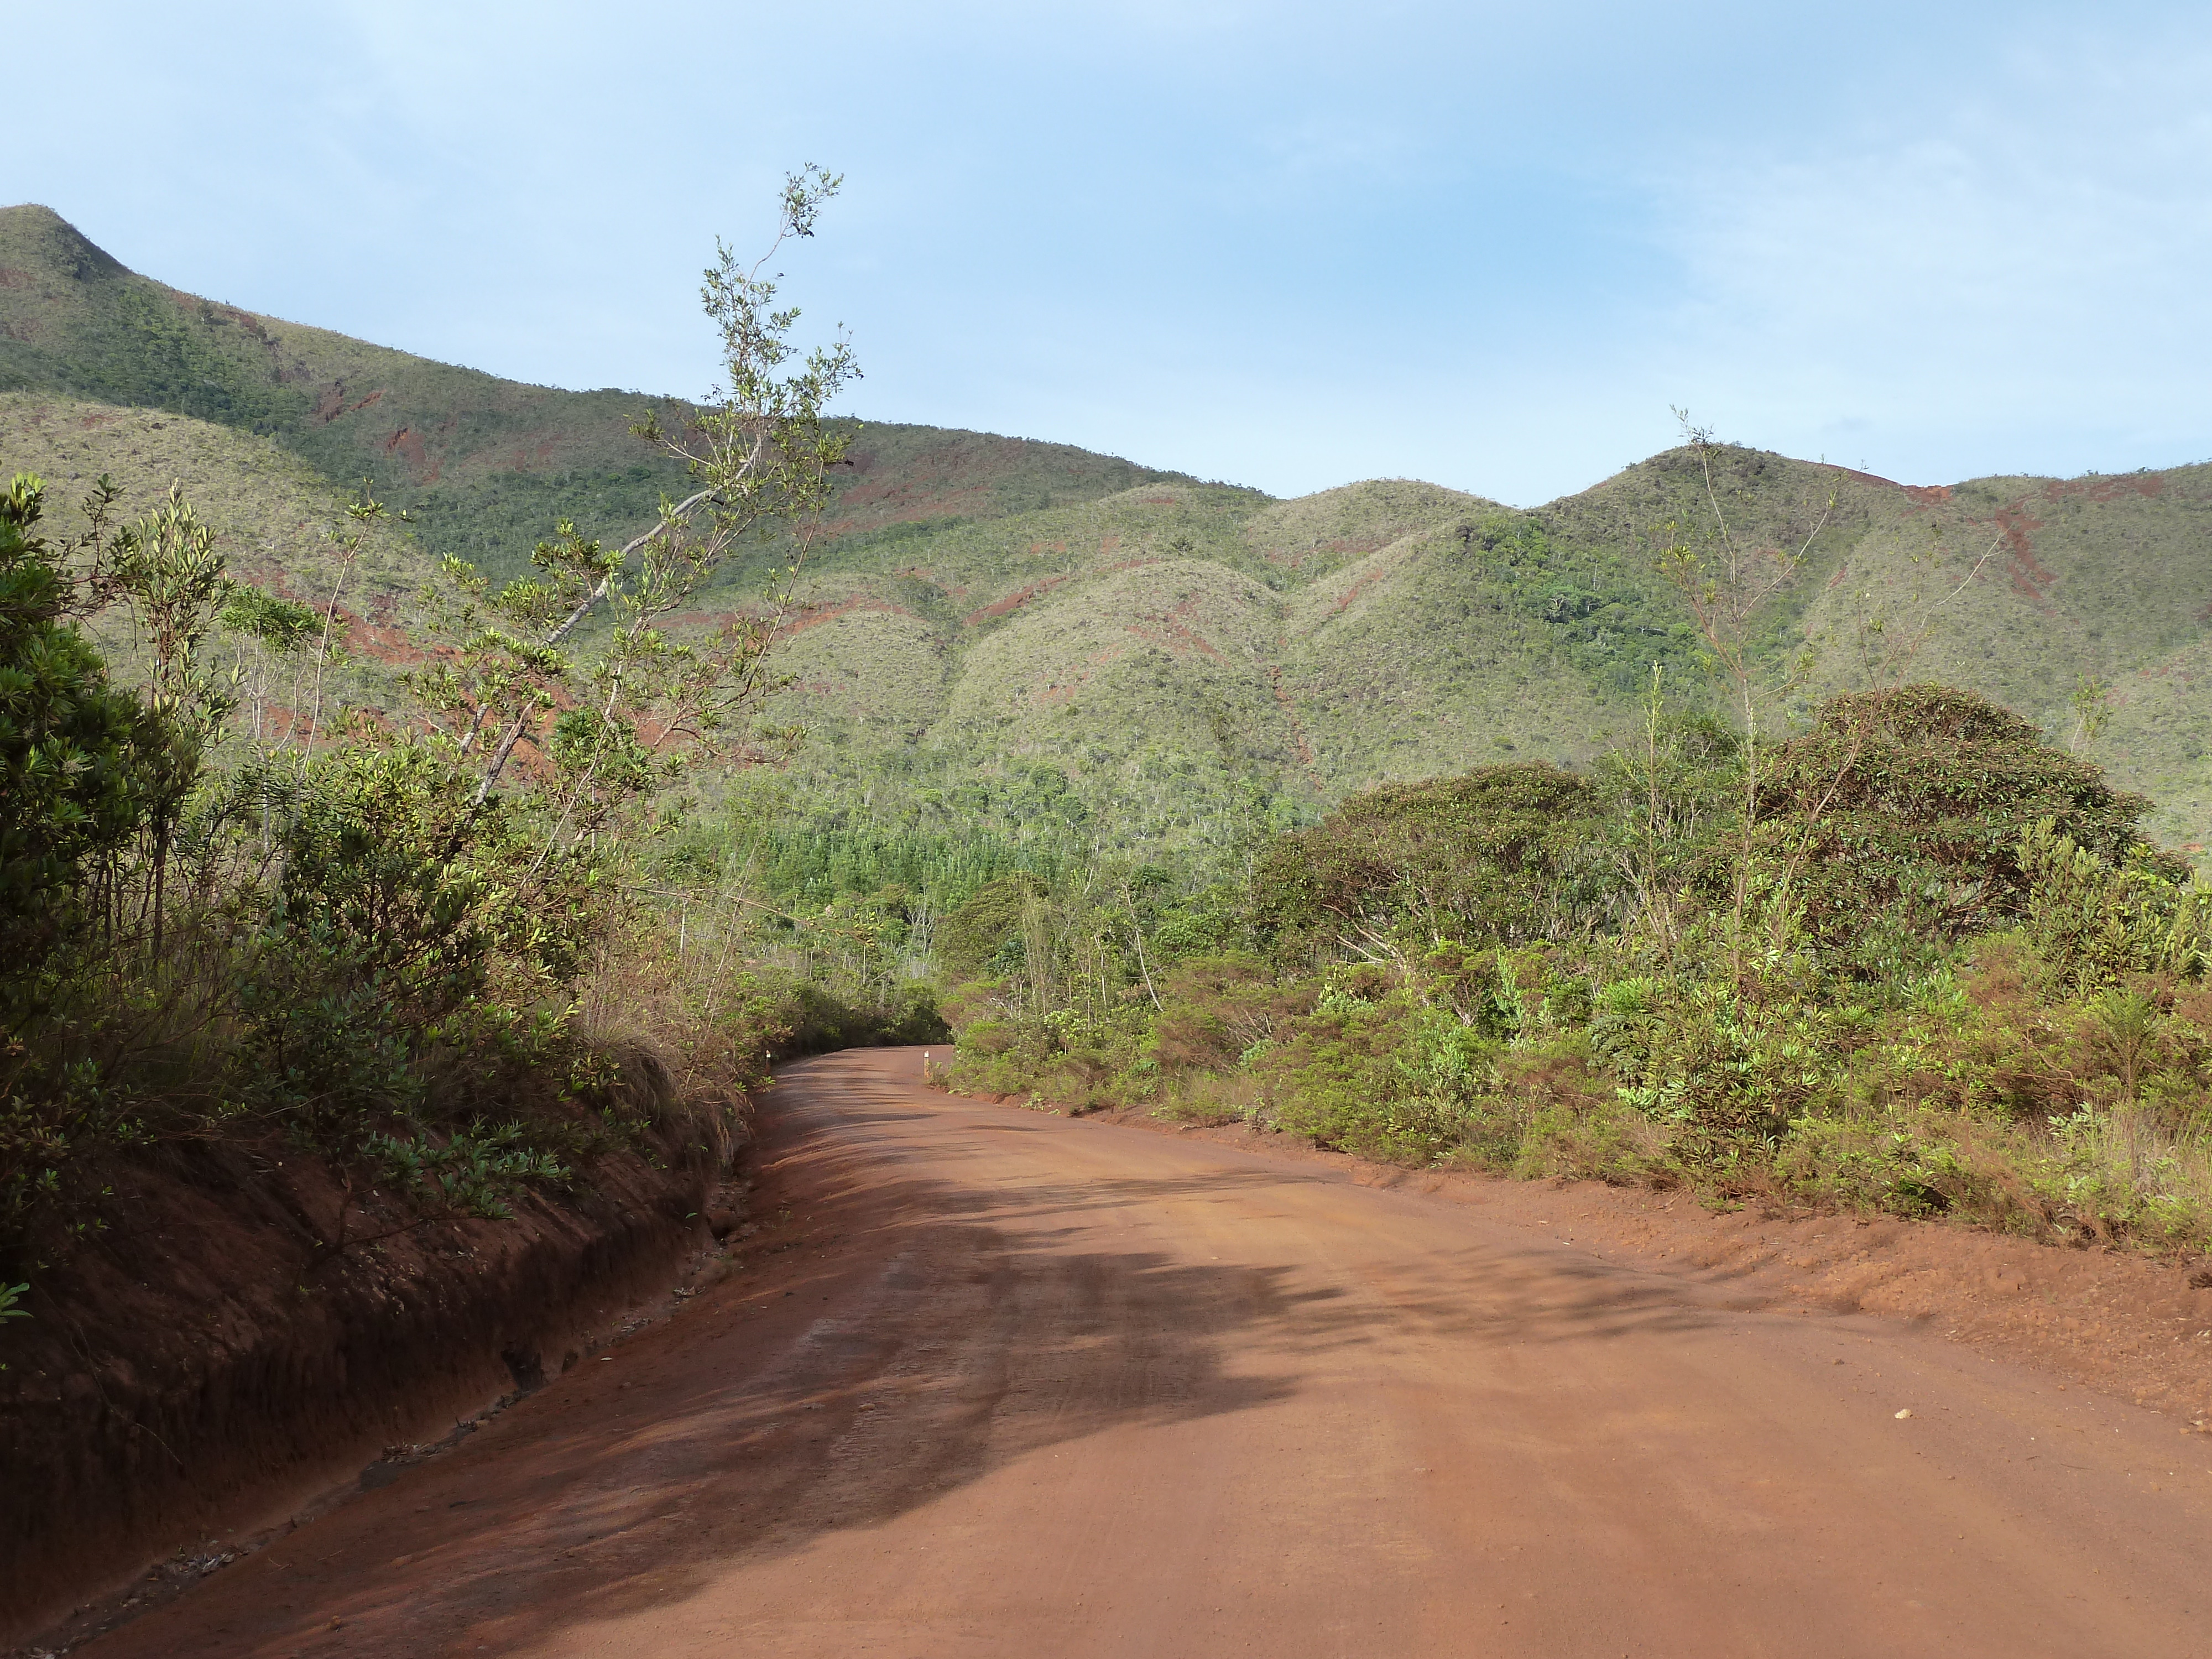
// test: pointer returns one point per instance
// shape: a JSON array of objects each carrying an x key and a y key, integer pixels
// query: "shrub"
[
  {"x": 1217, "y": 1008},
  {"x": 73, "y": 752},
  {"x": 1505, "y": 855},
  {"x": 1909, "y": 812}
]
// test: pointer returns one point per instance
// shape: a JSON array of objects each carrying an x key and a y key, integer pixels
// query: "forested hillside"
[{"x": 1186, "y": 663}]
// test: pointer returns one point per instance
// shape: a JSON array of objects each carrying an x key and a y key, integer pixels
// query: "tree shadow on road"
[{"x": 968, "y": 1325}]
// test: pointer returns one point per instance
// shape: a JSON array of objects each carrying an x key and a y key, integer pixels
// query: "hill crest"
[{"x": 987, "y": 604}]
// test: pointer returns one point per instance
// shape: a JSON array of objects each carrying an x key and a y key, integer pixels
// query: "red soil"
[
  {"x": 997, "y": 1383},
  {"x": 1360, "y": 585},
  {"x": 1290, "y": 707},
  {"x": 2029, "y": 579},
  {"x": 814, "y": 615},
  {"x": 1012, "y": 602},
  {"x": 205, "y": 1361}
]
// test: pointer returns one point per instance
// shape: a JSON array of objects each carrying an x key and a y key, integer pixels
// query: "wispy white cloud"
[
  {"x": 2025, "y": 266},
  {"x": 1278, "y": 239}
]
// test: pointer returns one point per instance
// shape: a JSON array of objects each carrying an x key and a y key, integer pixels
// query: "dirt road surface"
[{"x": 995, "y": 1383}]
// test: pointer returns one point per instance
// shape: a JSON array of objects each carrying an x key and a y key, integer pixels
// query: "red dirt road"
[{"x": 1010, "y": 1384}]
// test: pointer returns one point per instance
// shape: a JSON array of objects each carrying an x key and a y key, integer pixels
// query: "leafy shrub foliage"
[
  {"x": 1938, "y": 972},
  {"x": 459, "y": 947},
  {"x": 347, "y": 946},
  {"x": 1504, "y": 854},
  {"x": 1909, "y": 808},
  {"x": 74, "y": 776}
]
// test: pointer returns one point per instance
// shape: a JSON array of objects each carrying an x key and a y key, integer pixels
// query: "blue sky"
[{"x": 1288, "y": 245}]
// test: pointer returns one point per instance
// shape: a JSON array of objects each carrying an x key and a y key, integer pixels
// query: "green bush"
[
  {"x": 1505, "y": 855},
  {"x": 1961, "y": 984},
  {"x": 1926, "y": 814},
  {"x": 74, "y": 753}
]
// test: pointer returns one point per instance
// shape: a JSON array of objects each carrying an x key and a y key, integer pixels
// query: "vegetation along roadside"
[
  {"x": 1916, "y": 958},
  {"x": 295, "y": 1006},
  {"x": 390, "y": 941}
]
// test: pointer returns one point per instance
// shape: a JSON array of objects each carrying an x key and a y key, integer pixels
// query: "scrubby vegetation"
[
  {"x": 1931, "y": 966},
  {"x": 451, "y": 945},
  {"x": 300, "y": 849},
  {"x": 977, "y": 605}
]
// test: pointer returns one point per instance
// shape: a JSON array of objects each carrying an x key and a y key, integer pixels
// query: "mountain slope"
[
  {"x": 2030, "y": 588},
  {"x": 1157, "y": 645},
  {"x": 1025, "y": 641},
  {"x": 487, "y": 466}
]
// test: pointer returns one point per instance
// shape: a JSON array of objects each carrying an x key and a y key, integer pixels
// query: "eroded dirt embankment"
[{"x": 208, "y": 1364}]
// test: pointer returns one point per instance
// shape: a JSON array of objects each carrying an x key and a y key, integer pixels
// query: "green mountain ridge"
[
  {"x": 486, "y": 465},
  {"x": 1391, "y": 630},
  {"x": 1029, "y": 643}
]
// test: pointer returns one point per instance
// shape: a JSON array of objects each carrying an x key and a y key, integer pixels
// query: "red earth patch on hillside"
[
  {"x": 2029, "y": 577},
  {"x": 2106, "y": 488},
  {"x": 814, "y": 615},
  {"x": 1013, "y": 602},
  {"x": 1873, "y": 478},
  {"x": 387, "y": 641},
  {"x": 333, "y": 401},
  {"x": 1175, "y": 639},
  {"x": 1290, "y": 708},
  {"x": 1022, "y": 595},
  {"x": 1175, "y": 635},
  {"x": 283, "y": 722},
  {"x": 408, "y": 443},
  {"x": 1355, "y": 592}
]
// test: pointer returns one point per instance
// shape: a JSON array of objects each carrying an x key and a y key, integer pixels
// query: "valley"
[{"x": 1079, "y": 975}]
